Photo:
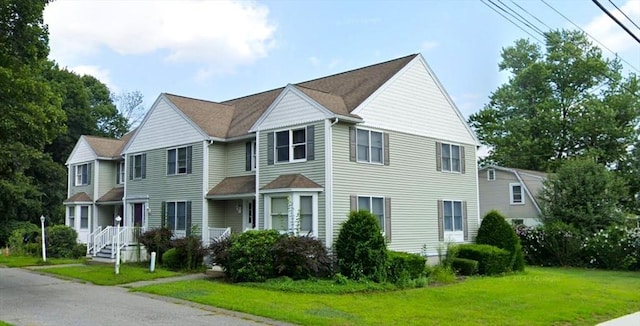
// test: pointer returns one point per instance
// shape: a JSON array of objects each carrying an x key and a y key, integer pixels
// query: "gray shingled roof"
[
  {"x": 234, "y": 186},
  {"x": 79, "y": 197},
  {"x": 114, "y": 194},
  {"x": 291, "y": 181}
]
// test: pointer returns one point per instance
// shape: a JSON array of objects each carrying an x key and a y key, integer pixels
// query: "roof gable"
[
  {"x": 82, "y": 152},
  {"x": 213, "y": 118}
]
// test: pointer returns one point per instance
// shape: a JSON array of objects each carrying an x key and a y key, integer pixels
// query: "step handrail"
[
  {"x": 91, "y": 237},
  {"x": 102, "y": 239}
]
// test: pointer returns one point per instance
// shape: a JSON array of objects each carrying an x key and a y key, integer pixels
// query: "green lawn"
[
  {"x": 5, "y": 324},
  {"x": 23, "y": 261},
  {"x": 541, "y": 296},
  {"x": 104, "y": 274}
]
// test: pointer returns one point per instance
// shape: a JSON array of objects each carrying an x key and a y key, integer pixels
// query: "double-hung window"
[
  {"x": 450, "y": 157},
  {"x": 120, "y": 172},
  {"x": 516, "y": 194},
  {"x": 84, "y": 217},
  {"x": 138, "y": 166},
  {"x": 83, "y": 173},
  {"x": 280, "y": 214},
  {"x": 491, "y": 174},
  {"x": 452, "y": 216},
  {"x": 370, "y": 147},
  {"x": 72, "y": 216},
  {"x": 177, "y": 216},
  {"x": 291, "y": 145},
  {"x": 179, "y": 160},
  {"x": 375, "y": 205}
]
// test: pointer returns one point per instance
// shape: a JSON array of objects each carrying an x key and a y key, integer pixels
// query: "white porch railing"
[
  {"x": 107, "y": 236},
  {"x": 103, "y": 238},
  {"x": 218, "y": 233},
  {"x": 128, "y": 235},
  {"x": 90, "y": 239}
]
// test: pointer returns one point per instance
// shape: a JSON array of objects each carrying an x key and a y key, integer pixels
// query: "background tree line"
[{"x": 45, "y": 109}]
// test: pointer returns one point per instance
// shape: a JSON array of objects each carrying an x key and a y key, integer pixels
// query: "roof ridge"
[{"x": 197, "y": 99}]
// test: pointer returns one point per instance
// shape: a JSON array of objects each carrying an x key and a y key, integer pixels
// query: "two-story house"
[{"x": 386, "y": 138}]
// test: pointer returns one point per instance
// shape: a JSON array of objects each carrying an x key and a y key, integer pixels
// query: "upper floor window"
[
  {"x": 138, "y": 166},
  {"x": 83, "y": 174},
  {"x": 516, "y": 194},
  {"x": 491, "y": 174},
  {"x": 369, "y": 145},
  {"x": 120, "y": 169},
  {"x": 375, "y": 205},
  {"x": 251, "y": 156},
  {"x": 179, "y": 160},
  {"x": 291, "y": 145},
  {"x": 450, "y": 158}
]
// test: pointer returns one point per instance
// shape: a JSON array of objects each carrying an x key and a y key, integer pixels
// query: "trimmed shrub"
[
  {"x": 61, "y": 241},
  {"x": 250, "y": 256},
  {"x": 402, "y": 265},
  {"x": 496, "y": 231},
  {"x": 301, "y": 257},
  {"x": 190, "y": 253},
  {"x": 171, "y": 259},
  {"x": 23, "y": 235},
  {"x": 465, "y": 266},
  {"x": 158, "y": 240},
  {"x": 360, "y": 248},
  {"x": 79, "y": 250},
  {"x": 491, "y": 260}
]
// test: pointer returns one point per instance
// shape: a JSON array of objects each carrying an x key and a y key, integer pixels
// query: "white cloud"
[
  {"x": 314, "y": 61},
  {"x": 429, "y": 45},
  {"x": 100, "y": 73},
  {"x": 219, "y": 35},
  {"x": 604, "y": 29}
]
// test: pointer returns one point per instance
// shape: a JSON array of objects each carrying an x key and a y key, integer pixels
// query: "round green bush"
[
  {"x": 61, "y": 241},
  {"x": 496, "y": 231},
  {"x": 171, "y": 259},
  {"x": 465, "y": 266},
  {"x": 360, "y": 248},
  {"x": 250, "y": 256}
]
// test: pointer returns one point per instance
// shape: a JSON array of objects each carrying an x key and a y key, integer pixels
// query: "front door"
[
  {"x": 249, "y": 215},
  {"x": 138, "y": 214}
]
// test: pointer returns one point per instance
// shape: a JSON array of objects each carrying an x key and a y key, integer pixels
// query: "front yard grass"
[
  {"x": 24, "y": 261},
  {"x": 540, "y": 296},
  {"x": 100, "y": 274}
]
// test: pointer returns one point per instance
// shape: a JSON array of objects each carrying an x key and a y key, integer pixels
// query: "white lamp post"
[
  {"x": 118, "y": 219},
  {"x": 44, "y": 248}
]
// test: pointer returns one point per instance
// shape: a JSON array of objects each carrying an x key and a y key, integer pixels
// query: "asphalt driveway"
[{"x": 28, "y": 298}]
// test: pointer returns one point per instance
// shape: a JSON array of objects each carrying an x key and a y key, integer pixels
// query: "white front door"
[{"x": 82, "y": 221}]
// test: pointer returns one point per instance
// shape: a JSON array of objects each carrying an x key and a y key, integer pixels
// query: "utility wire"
[
  {"x": 507, "y": 18},
  {"x": 616, "y": 20},
  {"x": 523, "y": 20},
  {"x": 534, "y": 17},
  {"x": 622, "y": 12}
]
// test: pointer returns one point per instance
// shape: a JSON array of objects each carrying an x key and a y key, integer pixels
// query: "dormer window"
[{"x": 491, "y": 174}]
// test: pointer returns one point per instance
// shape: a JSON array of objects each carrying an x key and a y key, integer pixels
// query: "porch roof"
[
  {"x": 113, "y": 195},
  {"x": 79, "y": 197},
  {"x": 234, "y": 187},
  {"x": 292, "y": 181}
]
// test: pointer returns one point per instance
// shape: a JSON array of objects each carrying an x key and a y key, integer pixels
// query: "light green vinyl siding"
[
  {"x": 314, "y": 170},
  {"x": 412, "y": 183},
  {"x": 236, "y": 158},
  {"x": 159, "y": 186},
  {"x": 84, "y": 188},
  {"x": 106, "y": 176},
  {"x": 217, "y": 166}
]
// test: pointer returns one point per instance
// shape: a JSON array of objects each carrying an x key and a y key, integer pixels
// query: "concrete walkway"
[{"x": 628, "y": 320}]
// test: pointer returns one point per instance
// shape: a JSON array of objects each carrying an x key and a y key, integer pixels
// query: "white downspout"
[
  {"x": 257, "y": 206},
  {"x": 328, "y": 160},
  {"x": 205, "y": 188}
]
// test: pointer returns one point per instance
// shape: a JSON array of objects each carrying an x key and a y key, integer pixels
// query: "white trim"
[
  {"x": 69, "y": 180},
  {"x": 477, "y": 192},
  {"x": 455, "y": 235},
  {"x": 285, "y": 190},
  {"x": 290, "y": 145},
  {"x": 257, "y": 183},
  {"x": 205, "y": 186},
  {"x": 328, "y": 180},
  {"x": 511, "y": 193},
  {"x": 95, "y": 172},
  {"x": 233, "y": 196},
  {"x": 82, "y": 139},
  {"x": 293, "y": 199}
]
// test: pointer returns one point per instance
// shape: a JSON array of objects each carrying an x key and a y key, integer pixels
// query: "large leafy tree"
[{"x": 561, "y": 101}]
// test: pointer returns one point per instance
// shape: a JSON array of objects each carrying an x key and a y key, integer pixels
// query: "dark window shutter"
[
  {"x": 311, "y": 146},
  {"x": 189, "y": 158},
  {"x": 440, "y": 220},
  {"x": 130, "y": 160},
  {"x": 171, "y": 161},
  {"x": 73, "y": 175},
  {"x": 144, "y": 166},
  {"x": 117, "y": 172},
  {"x": 247, "y": 156},
  {"x": 270, "y": 148},
  {"x": 89, "y": 173},
  {"x": 352, "y": 144},
  {"x": 465, "y": 221},
  {"x": 188, "y": 221},
  {"x": 438, "y": 157},
  {"x": 387, "y": 218},
  {"x": 386, "y": 149},
  {"x": 353, "y": 204},
  {"x": 163, "y": 214},
  {"x": 462, "y": 159}
]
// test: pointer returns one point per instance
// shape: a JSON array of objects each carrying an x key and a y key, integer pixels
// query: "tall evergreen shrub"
[{"x": 360, "y": 248}]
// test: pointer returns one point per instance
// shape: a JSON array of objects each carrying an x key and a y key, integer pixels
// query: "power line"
[
  {"x": 616, "y": 20},
  {"x": 534, "y": 17},
  {"x": 523, "y": 20},
  {"x": 507, "y": 18},
  {"x": 622, "y": 12}
]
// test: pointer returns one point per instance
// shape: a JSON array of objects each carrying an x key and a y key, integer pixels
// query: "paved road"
[{"x": 27, "y": 298}]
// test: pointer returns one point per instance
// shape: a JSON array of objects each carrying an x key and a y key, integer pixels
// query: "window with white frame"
[
  {"x": 120, "y": 172},
  {"x": 450, "y": 157},
  {"x": 452, "y": 215},
  {"x": 72, "y": 216},
  {"x": 516, "y": 194},
  {"x": 179, "y": 160},
  {"x": 254, "y": 155},
  {"x": 491, "y": 174},
  {"x": 84, "y": 217},
  {"x": 83, "y": 173},
  {"x": 291, "y": 145},
  {"x": 138, "y": 166},
  {"x": 177, "y": 216},
  {"x": 306, "y": 214},
  {"x": 280, "y": 213},
  {"x": 370, "y": 147},
  {"x": 375, "y": 205}
]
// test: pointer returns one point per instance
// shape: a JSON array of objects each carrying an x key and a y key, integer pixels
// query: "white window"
[
  {"x": 72, "y": 216},
  {"x": 121, "y": 170},
  {"x": 452, "y": 216},
  {"x": 306, "y": 214},
  {"x": 375, "y": 205},
  {"x": 138, "y": 166},
  {"x": 291, "y": 145},
  {"x": 280, "y": 214},
  {"x": 369, "y": 144},
  {"x": 254, "y": 155},
  {"x": 84, "y": 217},
  {"x": 177, "y": 216},
  {"x": 516, "y": 194},
  {"x": 83, "y": 172},
  {"x": 450, "y": 158},
  {"x": 179, "y": 160},
  {"x": 491, "y": 174}
]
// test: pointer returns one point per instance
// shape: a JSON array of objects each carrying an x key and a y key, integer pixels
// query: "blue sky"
[{"x": 219, "y": 50}]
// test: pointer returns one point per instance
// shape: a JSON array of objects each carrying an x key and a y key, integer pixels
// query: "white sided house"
[{"x": 386, "y": 138}]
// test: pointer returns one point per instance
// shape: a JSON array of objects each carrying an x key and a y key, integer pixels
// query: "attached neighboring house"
[
  {"x": 513, "y": 192},
  {"x": 386, "y": 138}
]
